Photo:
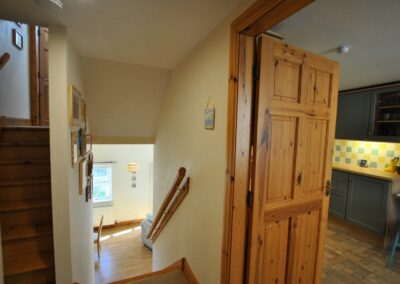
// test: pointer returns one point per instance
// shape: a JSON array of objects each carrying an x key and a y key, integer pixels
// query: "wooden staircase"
[{"x": 25, "y": 205}]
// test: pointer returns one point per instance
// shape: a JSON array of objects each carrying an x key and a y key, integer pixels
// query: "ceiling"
[
  {"x": 157, "y": 33},
  {"x": 370, "y": 27}
]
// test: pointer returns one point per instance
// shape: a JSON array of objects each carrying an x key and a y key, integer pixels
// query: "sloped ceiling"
[
  {"x": 156, "y": 33},
  {"x": 370, "y": 27}
]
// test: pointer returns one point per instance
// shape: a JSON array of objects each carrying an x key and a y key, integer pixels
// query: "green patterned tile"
[
  {"x": 337, "y": 148},
  {"x": 389, "y": 153},
  {"x": 361, "y": 150},
  {"x": 337, "y": 159},
  {"x": 374, "y": 152},
  {"x": 349, "y": 149},
  {"x": 373, "y": 164},
  {"x": 348, "y": 161}
]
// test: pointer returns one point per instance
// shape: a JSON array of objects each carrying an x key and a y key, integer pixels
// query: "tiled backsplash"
[{"x": 378, "y": 154}]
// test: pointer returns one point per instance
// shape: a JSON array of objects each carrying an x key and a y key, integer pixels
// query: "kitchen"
[{"x": 364, "y": 209}]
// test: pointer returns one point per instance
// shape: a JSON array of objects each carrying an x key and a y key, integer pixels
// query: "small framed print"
[
  {"x": 74, "y": 106},
  {"x": 83, "y": 177},
  {"x": 74, "y": 148},
  {"x": 18, "y": 39},
  {"x": 83, "y": 113},
  {"x": 209, "y": 118},
  {"x": 88, "y": 142}
]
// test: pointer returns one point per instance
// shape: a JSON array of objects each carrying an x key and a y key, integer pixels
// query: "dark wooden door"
[
  {"x": 296, "y": 101},
  {"x": 43, "y": 76}
]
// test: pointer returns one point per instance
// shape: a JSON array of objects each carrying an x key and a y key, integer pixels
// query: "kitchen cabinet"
[
  {"x": 367, "y": 202},
  {"x": 353, "y": 116},
  {"x": 369, "y": 114},
  {"x": 360, "y": 200},
  {"x": 338, "y": 199}
]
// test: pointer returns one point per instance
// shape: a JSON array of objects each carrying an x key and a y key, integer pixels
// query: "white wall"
[
  {"x": 128, "y": 203},
  {"x": 14, "y": 77},
  {"x": 195, "y": 232},
  {"x": 72, "y": 216},
  {"x": 124, "y": 100}
]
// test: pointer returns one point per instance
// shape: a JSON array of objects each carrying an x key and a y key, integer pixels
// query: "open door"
[{"x": 294, "y": 127}]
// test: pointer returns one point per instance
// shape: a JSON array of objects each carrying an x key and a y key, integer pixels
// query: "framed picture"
[
  {"x": 18, "y": 39},
  {"x": 83, "y": 114},
  {"x": 74, "y": 111},
  {"x": 90, "y": 165},
  {"x": 83, "y": 178},
  {"x": 81, "y": 143},
  {"x": 74, "y": 148},
  {"x": 88, "y": 143},
  {"x": 209, "y": 118}
]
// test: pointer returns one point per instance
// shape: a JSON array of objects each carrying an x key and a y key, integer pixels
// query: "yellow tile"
[
  {"x": 397, "y": 147},
  {"x": 383, "y": 146},
  {"x": 367, "y": 157},
  {"x": 355, "y": 144},
  {"x": 343, "y": 142},
  {"x": 343, "y": 154},
  {"x": 354, "y": 156},
  {"x": 381, "y": 160},
  {"x": 368, "y": 145}
]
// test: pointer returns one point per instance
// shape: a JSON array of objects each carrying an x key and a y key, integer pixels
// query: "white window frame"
[{"x": 106, "y": 203}]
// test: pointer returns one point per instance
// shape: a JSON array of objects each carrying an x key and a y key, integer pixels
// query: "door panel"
[
  {"x": 282, "y": 157},
  {"x": 275, "y": 251},
  {"x": 314, "y": 156},
  {"x": 43, "y": 77},
  {"x": 295, "y": 115}
]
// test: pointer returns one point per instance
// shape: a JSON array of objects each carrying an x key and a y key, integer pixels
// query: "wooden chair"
[
  {"x": 97, "y": 236},
  {"x": 396, "y": 242}
]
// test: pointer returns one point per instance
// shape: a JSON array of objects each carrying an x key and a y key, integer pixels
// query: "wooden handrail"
[
  {"x": 4, "y": 59},
  {"x": 169, "y": 205}
]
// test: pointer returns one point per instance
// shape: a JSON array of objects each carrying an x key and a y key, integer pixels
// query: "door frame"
[{"x": 258, "y": 18}]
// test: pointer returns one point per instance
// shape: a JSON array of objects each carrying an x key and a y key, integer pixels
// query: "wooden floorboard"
[
  {"x": 353, "y": 258},
  {"x": 123, "y": 255}
]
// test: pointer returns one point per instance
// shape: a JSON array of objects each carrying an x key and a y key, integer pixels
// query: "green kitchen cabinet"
[
  {"x": 353, "y": 115},
  {"x": 338, "y": 199},
  {"x": 360, "y": 200},
  {"x": 367, "y": 202}
]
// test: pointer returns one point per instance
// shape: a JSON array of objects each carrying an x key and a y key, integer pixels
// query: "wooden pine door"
[
  {"x": 43, "y": 76},
  {"x": 295, "y": 115}
]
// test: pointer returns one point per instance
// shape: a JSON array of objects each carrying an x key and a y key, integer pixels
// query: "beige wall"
[
  {"x": 72, "y": 216},
  {"x": 128, "y": 202},
  {"x": 14, "y": 77},
  {"x": 124, "y": 100},
  {"x": 195, "y": 232}
]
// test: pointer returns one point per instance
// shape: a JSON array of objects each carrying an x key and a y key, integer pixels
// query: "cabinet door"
[
  {"x": 367, "y": 202},
  {"x": 338, "y": 200},
  {"x": 353, "y": 116}
]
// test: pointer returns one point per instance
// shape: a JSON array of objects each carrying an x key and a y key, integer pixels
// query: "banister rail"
[
  {"x": 170, "y": 204},
  {"x": 4, "y": 59}
]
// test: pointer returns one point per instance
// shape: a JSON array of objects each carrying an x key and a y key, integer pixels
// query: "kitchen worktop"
[{"x": 371, "y": 172}]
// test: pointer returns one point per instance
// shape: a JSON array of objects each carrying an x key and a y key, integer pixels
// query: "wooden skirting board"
[
  {"x": 14, "y": 121},
  {"x": 120, "y": 224},
  {"x": 181, "y": 265}
]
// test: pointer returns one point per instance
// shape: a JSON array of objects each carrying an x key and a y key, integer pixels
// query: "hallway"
[{"x": 123, "y": 255}]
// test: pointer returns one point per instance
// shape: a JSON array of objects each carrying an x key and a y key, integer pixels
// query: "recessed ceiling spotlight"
[
  {"x": 50, "y": 3},
  {"x": 343, "y": 49}
]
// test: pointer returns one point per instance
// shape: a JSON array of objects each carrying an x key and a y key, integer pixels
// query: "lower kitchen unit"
[{"x": 364, "y": 209}]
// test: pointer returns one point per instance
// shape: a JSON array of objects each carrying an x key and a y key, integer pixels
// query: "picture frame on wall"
[
  {"x": 83, "y": 177},
  {"x": 18, "y": 39},
  {"x": 88, "y": 142},
  {"x": 74, "y": 107},
  {"x": 83, "y": 114},
  {"x": 74, "y": 148}
]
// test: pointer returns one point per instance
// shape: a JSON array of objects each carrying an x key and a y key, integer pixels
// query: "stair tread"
[
  {"x": 26, "y": 231},
  {"x": 31, "y": 181},
  {"x": 28, "y": 263},
  {"x": 18, "y": 205},
  {"x": 28, "y": 127},
  {"x": 24, "y": 162},
  {"x": 17, "y": 144}
]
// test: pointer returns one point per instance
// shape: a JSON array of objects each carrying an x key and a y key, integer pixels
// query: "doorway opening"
[
  {"x": 122, "y": 207},
  {"x": 349, "y": 239}
]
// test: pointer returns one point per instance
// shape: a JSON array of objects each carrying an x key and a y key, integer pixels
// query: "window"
[{"x": 102, "y": 185}]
